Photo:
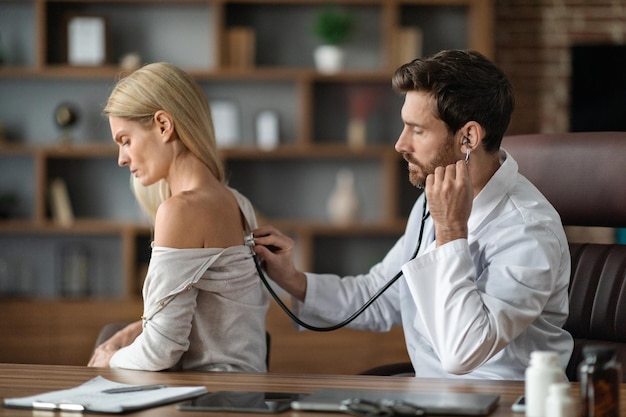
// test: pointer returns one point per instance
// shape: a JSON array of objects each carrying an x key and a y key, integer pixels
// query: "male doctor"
[{"x": 484, "y": 257}]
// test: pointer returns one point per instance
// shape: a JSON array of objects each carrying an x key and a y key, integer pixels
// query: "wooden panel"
[
  {"x": 55, "y": 332},
  {"x": 342, "y": 351}
]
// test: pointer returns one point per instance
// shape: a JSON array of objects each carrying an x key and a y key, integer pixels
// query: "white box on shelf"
[
  {"x": 225, "y": 114},
  {"x": 267, "y": 129}
]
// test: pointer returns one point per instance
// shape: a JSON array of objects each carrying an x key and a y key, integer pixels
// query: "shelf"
[
  {"x": 364, "y": 51},
  {"x": 324, "y": 228},
  {"x": 259, "y": 73},
  {"x": 138, "y": 26},
  {"x": 289, "y": 185},
  {"x": 314, "y": 109},
  {"x": 80, "y": 150},
  {"x": 96, "y": 150},
  {"x": 308, "y": 152},
  {"x": 78, "y": 227}
]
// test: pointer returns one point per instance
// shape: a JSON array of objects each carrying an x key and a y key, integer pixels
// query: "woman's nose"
[{"x": 122, "y": 158}]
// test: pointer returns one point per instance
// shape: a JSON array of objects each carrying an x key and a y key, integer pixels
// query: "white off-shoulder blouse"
[{"x": 204, "y": 310}]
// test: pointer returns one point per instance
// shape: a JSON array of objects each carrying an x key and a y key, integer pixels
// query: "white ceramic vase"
[
  {"x": 343, "y": 203},
  {"x": 328, "y": 59}
]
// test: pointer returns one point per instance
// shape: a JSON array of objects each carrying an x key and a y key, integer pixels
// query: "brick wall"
[{"x": 532, "y": 41}]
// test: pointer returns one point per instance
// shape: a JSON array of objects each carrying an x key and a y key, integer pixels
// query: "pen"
[{"x": 134, "y": 388}]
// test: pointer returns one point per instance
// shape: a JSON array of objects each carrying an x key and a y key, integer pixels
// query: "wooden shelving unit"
[{"x": 289, "y": 185}]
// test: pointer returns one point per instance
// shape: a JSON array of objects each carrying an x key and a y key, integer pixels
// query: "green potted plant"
[{"x": 333, "y": 26}]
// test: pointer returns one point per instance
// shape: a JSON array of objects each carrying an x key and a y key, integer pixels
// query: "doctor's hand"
[
  {"x": 275, "y": 251},
  {"x": 449, "y": 192}
]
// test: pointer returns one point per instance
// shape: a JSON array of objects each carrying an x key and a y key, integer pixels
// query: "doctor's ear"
[{"x": 471, "y": 132}]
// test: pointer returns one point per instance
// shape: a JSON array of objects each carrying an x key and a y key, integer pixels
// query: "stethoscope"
[{"x": 249, "y": 241}]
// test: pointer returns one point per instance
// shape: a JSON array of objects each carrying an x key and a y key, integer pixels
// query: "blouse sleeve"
[{"x": 169, "y": 304}]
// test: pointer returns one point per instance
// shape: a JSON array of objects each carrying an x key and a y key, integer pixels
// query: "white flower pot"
[{"x": 328, "y": 58}]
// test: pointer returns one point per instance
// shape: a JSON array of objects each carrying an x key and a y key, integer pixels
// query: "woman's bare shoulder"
[{"x": 197, "y": 219}]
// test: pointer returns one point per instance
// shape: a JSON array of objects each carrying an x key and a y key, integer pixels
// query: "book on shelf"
[
  {"x": 60, "y": 204},
  {"x": 240, "y": 48},
  {"x": 406, "y": 45}
]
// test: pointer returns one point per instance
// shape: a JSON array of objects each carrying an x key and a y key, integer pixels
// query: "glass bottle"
[{"x": 600, "y": 376}]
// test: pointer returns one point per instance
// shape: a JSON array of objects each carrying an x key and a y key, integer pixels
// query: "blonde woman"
[{"x": 204, "y": 305}]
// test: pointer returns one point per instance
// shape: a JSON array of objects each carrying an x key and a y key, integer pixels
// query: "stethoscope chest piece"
[{"x": 248, "y": 240}]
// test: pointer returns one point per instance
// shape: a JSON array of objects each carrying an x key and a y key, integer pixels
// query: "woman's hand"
[
  {"x": 276, "y": 253},
  {"x": 102, "y": 354}
]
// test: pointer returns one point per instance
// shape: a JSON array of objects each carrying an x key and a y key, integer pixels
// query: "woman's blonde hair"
[{"x": 163, "y": 86}]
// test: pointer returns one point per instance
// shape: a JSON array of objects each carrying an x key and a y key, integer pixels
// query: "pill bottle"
[
  {"x": 600, "y": 376},
  {"x": 543, "y": 371},
  {"x": 559, "y": 402}
]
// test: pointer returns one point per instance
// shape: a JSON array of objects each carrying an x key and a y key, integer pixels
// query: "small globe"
[{"x": 65, "y": 115}]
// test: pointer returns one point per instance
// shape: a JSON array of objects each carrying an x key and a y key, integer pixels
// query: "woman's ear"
[{"x": 165, "y": 124}]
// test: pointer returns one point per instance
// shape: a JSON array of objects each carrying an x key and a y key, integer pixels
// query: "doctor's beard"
[{"x": 417, "y": 174}]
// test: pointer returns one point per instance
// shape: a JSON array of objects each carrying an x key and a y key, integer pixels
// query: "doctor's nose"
[{"x": 403, "y": 144}]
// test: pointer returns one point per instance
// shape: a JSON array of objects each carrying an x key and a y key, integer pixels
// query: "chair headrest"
[{"x": 582, "y": 174}]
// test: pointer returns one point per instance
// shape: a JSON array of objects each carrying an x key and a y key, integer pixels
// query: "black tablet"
[{"x": 242, "y": 401}]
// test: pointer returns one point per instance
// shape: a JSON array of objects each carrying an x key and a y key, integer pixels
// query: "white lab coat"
[{"x": 475, "y": 307}]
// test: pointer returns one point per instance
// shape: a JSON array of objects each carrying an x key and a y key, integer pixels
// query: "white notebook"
[{"x": 92, "y": 396}]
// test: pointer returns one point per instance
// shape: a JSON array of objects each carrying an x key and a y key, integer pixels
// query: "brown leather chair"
[{"x": 582, "y": 175}]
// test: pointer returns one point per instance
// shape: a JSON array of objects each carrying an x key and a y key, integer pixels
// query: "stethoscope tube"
[{"x": 259, "y": 268}]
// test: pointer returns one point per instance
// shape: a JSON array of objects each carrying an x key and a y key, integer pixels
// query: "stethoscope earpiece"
[{"x": 467, "y": 149}]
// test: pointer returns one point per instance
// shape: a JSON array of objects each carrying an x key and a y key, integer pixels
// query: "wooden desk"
[{"x": 21, "y": 380}]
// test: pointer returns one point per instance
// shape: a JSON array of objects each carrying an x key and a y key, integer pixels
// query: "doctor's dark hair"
[
  {"x": 466, "y": 87},
  {"x": 163, "y": 86}
]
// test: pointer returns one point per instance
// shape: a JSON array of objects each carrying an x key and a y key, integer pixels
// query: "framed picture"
[{"x": 87, "y": 43}]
